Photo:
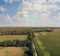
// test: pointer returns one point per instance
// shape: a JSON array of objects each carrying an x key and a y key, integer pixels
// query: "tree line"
[
  {"x": 13, "y": 32},
  {"x": 19, "y": 43}
]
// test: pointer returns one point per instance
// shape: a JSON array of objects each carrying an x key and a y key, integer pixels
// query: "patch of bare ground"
[{"x": 12, "y": 51}]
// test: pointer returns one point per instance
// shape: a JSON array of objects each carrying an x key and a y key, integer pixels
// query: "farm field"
[
  {"x": 13, "y": 37},
  {"x": 48, "y": 43},
  {"x": 11, "y": 51}
]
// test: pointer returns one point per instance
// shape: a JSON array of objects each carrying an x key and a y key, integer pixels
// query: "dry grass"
[
  {"x": 36, "y": 34},
  {"x": 12, "y": 37},
  {"x": 12, "y": 51}
]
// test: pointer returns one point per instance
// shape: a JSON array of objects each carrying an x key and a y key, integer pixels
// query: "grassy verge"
[{"x": 41, "y": 49}]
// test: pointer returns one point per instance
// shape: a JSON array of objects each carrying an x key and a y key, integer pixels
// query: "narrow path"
[{"x": 35, "y": 53}]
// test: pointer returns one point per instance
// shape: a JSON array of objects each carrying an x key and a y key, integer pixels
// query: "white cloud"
[
  {"x": 35, "y": 13},
  {"x": 57, "y": 18},
  {"x": 2, "y": 9},
  {"x": 54, "y": 1},
  {"x": 26, "y": 5},
  {"x": 36, "y": 1},
  {"x": 5, "y": 18},
  {"x": 11, "y": 1},
  {"x": 42, "y": 10}
]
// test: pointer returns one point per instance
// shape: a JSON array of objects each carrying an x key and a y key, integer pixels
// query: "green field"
[
  {"x": 48, "y": 43},
  {"x": 13, "y": 37}
]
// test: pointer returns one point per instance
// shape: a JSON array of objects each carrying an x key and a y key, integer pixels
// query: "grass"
[
  {"x": 12, "y": 37},
  {"x": 12, "y": 51},
  {"x": 41, "y": 48},
  {"x": 52, "y": 42}
]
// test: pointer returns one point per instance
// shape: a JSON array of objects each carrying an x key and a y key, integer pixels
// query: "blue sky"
[
  {"x": 11, "y": 8},
  {"x": 30, "y": 13}
]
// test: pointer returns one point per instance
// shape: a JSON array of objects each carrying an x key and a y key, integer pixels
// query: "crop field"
[
  {"x": 12, "y": 37},
  {"x": 48, "y": 43},
  {"x": 11, "y": 51}
]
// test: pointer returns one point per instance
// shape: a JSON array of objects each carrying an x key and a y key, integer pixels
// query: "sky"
[{"x": 30, "y": 13}]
